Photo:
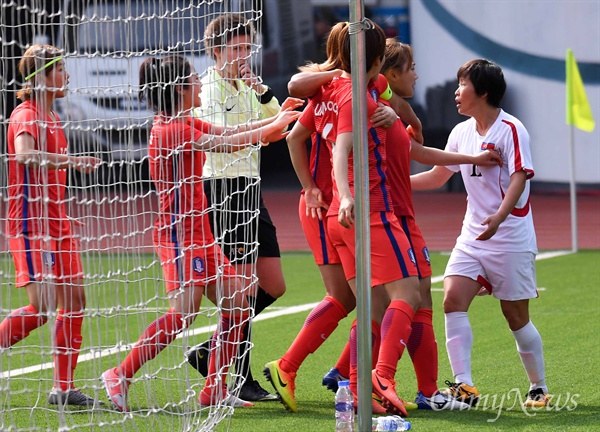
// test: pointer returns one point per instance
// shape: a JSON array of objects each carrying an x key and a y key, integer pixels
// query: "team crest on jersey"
[
  {"x": 488, "y": 146},
  {"x": 426, "y": 254},
  {"x": 48, "y": 259},
  {"x": 374, "y": 94},
  {"x": 198, "y": 264},
  {"x": 411, "y": 254}
]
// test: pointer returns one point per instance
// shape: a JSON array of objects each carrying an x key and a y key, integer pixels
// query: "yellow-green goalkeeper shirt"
[{"x": 224, "y": 105}]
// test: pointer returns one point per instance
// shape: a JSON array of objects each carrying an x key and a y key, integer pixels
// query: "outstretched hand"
[
  {"x": 488, "y": 158},
  {"x": 291, "y": 103},
  {"x": 283, "y": 118}
]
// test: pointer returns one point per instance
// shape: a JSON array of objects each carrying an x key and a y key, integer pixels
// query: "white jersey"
[
  {"x": 486, "y": 186},
  {"x": 224, "y": 105}
]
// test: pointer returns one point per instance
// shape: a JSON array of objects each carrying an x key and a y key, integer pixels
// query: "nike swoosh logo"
[
  {"x": 384, "y": 388},
  {"x": 281, "y": 383},
  {"x": 229, "y": 109}
]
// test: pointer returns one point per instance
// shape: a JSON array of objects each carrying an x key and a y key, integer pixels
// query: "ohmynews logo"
[{"x": 514, "y": 400}]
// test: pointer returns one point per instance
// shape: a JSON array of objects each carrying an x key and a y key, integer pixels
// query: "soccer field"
[{"x": 567, "y": 315}]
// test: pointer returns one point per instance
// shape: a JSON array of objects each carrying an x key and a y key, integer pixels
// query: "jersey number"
[{"x": 475, "y": 173}]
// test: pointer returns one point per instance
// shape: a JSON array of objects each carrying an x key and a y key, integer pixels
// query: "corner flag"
[{"x": 579, "y": 113}]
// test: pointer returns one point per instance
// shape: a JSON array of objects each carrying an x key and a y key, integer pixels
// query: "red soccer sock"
[
  {"x": 375, "y": 342},
  {"x": 395, "y": 331},
  {"x": 221, "y": 357},
  {"x": 319, "y": 324},
  {"x": 343, "y": 363},
  {"x": 155, "y": 338},
  {"x": 423, "y": 352},
  {"x": 19, "y": 324},
  {"x": 67, "y": 334}
]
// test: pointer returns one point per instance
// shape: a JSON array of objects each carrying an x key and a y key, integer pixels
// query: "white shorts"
[{"x": 506, "y": 275}]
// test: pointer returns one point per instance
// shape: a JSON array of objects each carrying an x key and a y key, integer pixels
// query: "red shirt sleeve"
[
  {"x": 307, "y": 119},
  {"x": 24, "y": 121},
  {"x": 196, "y": 123}
]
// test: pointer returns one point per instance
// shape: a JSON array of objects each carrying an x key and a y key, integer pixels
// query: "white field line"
[
  {"x": 211, "y": 328},
  {"x": 126, "y": 347}
]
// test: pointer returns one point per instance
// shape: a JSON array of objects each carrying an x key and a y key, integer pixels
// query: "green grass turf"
[{"x": 567, "y": 315}]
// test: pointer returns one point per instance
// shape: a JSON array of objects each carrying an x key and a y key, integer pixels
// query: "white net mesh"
[{"x": 104, "y": 43}]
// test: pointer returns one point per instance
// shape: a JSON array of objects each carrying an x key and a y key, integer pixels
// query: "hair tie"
[{"x": 50, "y": 63}]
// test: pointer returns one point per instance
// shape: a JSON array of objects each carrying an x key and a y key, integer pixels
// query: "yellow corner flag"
[{"x": 579, "y": 113}]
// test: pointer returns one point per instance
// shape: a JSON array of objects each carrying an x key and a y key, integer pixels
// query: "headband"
[{"x": 50, "y": 63}]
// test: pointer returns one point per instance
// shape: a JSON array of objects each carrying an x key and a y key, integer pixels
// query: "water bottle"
[
  {"x": 390, "y": 424},
  {"x": 344, "y": 408}
]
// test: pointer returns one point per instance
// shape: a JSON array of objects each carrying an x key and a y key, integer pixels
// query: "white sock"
[
  {"x": 459, "y": 342},
  {"x": 529, "y": 346}
]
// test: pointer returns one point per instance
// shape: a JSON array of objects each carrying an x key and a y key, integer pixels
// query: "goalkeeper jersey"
[{"x": 224, "y": 105}]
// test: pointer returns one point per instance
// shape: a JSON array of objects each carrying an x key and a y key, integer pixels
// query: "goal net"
[{"x": 113, "y": 212}]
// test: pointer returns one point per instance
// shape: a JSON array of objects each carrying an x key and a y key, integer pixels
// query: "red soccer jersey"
[
  {"x": 377, "y": 139},
  {"x": 176, "y": 169},
  {"x": 320, "y": 117},
  {"x": 398, "y": 159},
  {"x": 36, "y": 195},
  {"x": 398, "y": 156}
]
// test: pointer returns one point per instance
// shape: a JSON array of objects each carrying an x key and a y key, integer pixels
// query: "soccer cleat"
[
  {"x": 376, "y": 405},
  {"x": 253, "y": 392},
  {"x": 386, "y": 389},
  {"x": 71, "y": 397},
  {"x": 283, "y": 383},
  {"x": 439, "y": 402},
  {"x": 537, "y": 398},
  {"x": 205, "y": 400},
  {"x": 199, "y": 356},
  {"x": 332, "y": 378},
  {"x": 463, "y": 393},
  {"x": 116, "y": 388}
]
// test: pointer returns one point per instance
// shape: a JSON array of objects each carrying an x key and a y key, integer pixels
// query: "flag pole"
[{"x": 573, "y": 190}]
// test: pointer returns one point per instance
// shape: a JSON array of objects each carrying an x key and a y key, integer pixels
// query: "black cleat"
[
  {"x": 253, "y": 392},
  {"x": 72, "y": 397},
  {"x": 198, "y": 358}
]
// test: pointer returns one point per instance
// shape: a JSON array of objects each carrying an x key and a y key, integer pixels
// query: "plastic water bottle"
[
  {"x": 390, "y": 424},
  {"x": 344, "y": 408}
]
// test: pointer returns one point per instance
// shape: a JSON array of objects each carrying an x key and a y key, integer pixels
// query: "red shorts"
[
  {"x": 315, "y": 231},
  {"x": 392, "y": 258},
  {"x": 198, "y": 265},
  {"x": 417, "y": 242},
  {"x": 35, "y": 260}
]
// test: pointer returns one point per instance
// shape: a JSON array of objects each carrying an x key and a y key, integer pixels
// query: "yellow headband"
[{"x": 50, "y": 63}]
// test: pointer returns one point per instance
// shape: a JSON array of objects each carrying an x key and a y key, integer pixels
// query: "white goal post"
[{"x": 113, "y": 211}]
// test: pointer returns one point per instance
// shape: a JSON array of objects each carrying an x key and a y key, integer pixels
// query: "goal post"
[{"x": 113, "y": 212}]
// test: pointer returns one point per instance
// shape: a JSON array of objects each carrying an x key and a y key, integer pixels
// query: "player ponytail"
[{"x": 159, "y": 79}]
